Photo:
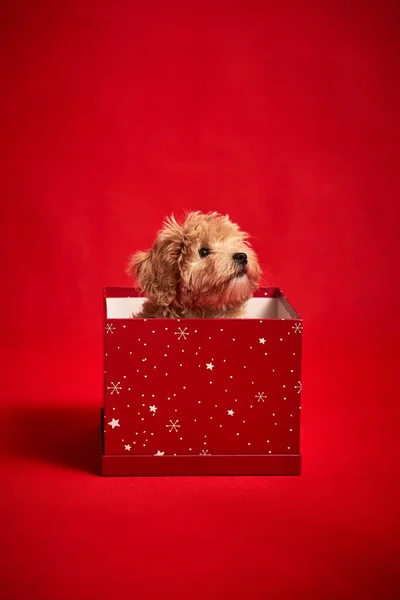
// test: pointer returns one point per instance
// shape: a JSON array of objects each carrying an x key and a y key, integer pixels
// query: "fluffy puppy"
[{"x": 202, "y": 268}]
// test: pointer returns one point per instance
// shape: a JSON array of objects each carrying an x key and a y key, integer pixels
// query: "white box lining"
[{"x": 256, "y": 308}]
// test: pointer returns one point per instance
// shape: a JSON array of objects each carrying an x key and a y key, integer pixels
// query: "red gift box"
[{"x": 202, "y": 396}]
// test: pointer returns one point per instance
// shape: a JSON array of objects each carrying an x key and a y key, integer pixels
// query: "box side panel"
[
  {"x": 270, "y": 292},
  {"x": 199, "y": 465},
  {"x": 288, "y": 306},
  {"x": 205, "y": 387},
  {"x": 260, "y": 307},
  {"x": 121, "y": 292},
  {"x": 103, "y": 342},
  {"x": 131, "y": 292},
  {"x": 123, "y": 308}
]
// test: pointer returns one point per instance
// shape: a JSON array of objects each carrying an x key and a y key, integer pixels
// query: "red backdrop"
[{"x": 285, "y": 116}]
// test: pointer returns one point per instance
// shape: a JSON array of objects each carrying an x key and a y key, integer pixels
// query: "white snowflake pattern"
[
  {"x": 182, "y": 333},
  {"x": 114, "y": 423},
  {"x": 298, "y": 387},
  {"x": 205, "y": 453},
  {"x": 110, "y": 328},
  {"x": 297, "y": 328},
  {"x": 114, "y": 387},
  {"x": 128, "y": 447},
  {"x": 173, "y": 425},
  {"x": 260, "y": 397}
]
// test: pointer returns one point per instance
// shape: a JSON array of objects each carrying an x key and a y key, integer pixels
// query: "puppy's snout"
[{"x": 240, "y": 257}]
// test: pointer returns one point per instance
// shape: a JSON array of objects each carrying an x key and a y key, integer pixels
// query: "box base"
[
  {"x": 269, "y": 464},
  {"x": 221, "y": 464}
]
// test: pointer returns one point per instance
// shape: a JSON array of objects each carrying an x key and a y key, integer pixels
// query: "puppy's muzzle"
[{"x": 240, "y": 258}]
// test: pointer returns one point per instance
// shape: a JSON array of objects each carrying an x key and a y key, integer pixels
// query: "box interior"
[{"x": 257, "y": 308}]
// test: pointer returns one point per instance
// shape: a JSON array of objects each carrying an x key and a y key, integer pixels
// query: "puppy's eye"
[{"x": 204, "y": 252}]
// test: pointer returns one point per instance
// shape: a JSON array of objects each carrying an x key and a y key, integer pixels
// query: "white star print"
[
  {"x": 173, "y": 425},
  {"x": 299, "y": 387},
  {"x": 205, "y": 453},
  {"x": 110, "y": 328},
  {"x": 210, "y": 366},
  {"x": 128, "y": 447},
  {"x": 182, "y": 333},
  {"x": 159, "y": 453},
  {"x": 114, "y": 423},
  {"x": 262, "y": 340},
  {"x": 231, "y": 413},
  {"x": 260, "y": 396},
  {"x": 297, "y": 327},
  {"x": 114, "y": 387},
  {"x": 153, "y": 408}
]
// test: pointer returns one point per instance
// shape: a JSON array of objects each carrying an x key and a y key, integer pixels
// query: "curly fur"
[{"x": 178, "y": 282}]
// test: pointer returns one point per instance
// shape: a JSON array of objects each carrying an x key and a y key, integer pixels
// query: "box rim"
[{"x": 125, "y": 290}]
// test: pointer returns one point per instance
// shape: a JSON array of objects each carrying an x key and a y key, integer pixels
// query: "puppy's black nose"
[{"x": 240, "y": 257}]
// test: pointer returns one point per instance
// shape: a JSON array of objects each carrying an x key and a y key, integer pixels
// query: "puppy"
[{"x": 202, "y": 268}]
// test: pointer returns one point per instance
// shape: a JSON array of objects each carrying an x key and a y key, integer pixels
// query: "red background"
[{"x": 284, "y": 115}]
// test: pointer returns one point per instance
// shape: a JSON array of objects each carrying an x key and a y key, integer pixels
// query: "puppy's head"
[{"x": 206, "y": 262}]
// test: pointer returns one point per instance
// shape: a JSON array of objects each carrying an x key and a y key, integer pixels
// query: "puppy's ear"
[
  {"x": 145, "y": 268},
  {"x": 136, "y": 262},
  {"x": 158, "y": 270}
]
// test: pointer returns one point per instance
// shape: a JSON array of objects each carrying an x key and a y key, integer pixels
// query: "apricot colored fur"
[{"x": 178, "y": 283}]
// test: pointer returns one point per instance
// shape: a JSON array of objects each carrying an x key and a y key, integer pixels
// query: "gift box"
[{"x": 202, "y": 396}]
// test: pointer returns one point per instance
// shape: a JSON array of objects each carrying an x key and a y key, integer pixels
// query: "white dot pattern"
[{"x": 219, "y": 403}]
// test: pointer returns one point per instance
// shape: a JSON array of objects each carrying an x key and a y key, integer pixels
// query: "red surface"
[{"x": 285, "y": 115}]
